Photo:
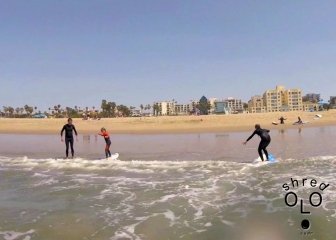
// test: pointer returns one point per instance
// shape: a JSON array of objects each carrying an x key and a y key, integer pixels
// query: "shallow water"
[{"x": 179, "y": 187}]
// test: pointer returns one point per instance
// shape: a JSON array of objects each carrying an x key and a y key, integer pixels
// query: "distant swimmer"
[
  {"x": 69, "y": 128},
  {"x": 265, "y": 140},
  {"x": 106, "y": 136},
  {"x": 282, "y": 120}
]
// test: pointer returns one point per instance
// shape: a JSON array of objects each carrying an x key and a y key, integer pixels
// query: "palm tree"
[
  {"x": 26, "y": 108},
  {"x": 156, "y": 109},
  {"x": 17, "y": 110},
  {"x": 5, "y": 109},
  {"x": 10, "y": 110}
]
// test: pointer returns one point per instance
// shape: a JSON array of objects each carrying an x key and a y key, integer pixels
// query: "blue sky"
[{"x": 77, "y": 52}]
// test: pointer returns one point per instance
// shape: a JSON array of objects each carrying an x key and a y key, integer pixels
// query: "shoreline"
[{"x": 168, "y": 124}]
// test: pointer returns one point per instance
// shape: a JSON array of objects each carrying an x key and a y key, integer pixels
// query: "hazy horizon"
[{"x": 137, "y": 52}]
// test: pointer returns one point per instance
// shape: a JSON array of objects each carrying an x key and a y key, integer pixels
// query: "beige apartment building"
[
  {"x": 171, "y": 108},
  {"x": 256, "y": 105},
  {"x": 273, "y": 99},
  {"x": 166, "y": 108},
  {"x": 281, "y": 99},
  {"x": 293, "y": 99}
]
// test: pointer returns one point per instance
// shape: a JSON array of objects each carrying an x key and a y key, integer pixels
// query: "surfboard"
[
  {"x": 317, "y": 116},
  {"x": 274, "y": 123},
  {"x": 271, "y": 159},
  {"x": 114, "y": 156},
  {"x": 304, "y": 122}
]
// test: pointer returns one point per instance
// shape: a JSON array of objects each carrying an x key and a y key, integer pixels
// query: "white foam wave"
[
  {"x": 12, "y": 235},
  {"x": 46, "y": 182},
  {"x": 207, "y": 166}
]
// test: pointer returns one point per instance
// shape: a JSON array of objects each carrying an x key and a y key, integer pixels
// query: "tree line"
[
  {"x": 108, "y": 110},
  {"x": 25, "y": 111}
]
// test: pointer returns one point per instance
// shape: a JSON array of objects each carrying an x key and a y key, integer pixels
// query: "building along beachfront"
[
  {"x": 256, "y": 105},
  {"x": 312, "y": 97},
  {"x": 164, "y": 108},
  {"x": 282, "y": 100},
  {"x": 228, "y": 106},
  {"x": 221, "y": 108},
  {"x": 235, "y": 105},
  {"x": 279, "y": 99},
  {"x": 310, "y": 106},
  {"x": 332, "y": 101},
  {"x": 183, "y": 109}
]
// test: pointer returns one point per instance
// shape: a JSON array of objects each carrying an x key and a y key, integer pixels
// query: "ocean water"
[{"x": 190, "y": 186}]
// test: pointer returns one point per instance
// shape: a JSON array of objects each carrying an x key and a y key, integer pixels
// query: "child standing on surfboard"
[{"x": 106, "y": 136}]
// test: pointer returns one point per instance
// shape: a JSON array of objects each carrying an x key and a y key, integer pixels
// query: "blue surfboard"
[{"x": 271, "y": 159}]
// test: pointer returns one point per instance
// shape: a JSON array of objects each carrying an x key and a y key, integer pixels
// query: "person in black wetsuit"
[
  {"x": 282, "y": 120},
  {"x": 265, "y": 140},
  {"x": 299, "y": 120},
  {"x": 69, "y": 128}
]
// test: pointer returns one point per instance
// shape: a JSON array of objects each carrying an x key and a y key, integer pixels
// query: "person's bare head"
[
  {"x": 103, "y": 130},
  {"x": 70, "y": 120},
  {"x": 257, "y": 126}
]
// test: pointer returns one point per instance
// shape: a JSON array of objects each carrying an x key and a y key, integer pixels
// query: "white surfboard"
[
  {"x": 304, "y": 122},
  {"x": 114, "y": 156}
]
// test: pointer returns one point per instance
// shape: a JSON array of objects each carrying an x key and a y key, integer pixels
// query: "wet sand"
[{"x": 169, "y": 124}]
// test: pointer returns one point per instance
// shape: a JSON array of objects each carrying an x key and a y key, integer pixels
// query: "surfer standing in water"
[
  {"x": 265, "y": 140},
  {"x": 106, "y": 136},
  {"x": 69, "y": 128}
]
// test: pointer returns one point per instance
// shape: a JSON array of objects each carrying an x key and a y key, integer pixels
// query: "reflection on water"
[
  {"x": 86, "y": 138},
  {"x": 290, "y": 143}
]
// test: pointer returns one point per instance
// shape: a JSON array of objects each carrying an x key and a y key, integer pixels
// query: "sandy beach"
[{"x": 169, "y": 124}]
